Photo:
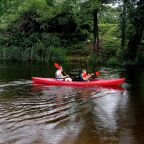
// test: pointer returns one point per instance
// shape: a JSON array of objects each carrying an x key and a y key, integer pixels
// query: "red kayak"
[{"x": 100, "y": 82}]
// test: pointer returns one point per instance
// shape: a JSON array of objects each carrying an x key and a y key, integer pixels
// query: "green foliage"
[
  {"x": 49, "y": 29},
  {"x": 9, "y": 12},
  {"x": 32, "y": 5},
  {"x": 140, "y": 53},
  {"x": 103, "y": 28},
  {"x": 45, "y": 47},
  {"x": 51, "y": 39},
  {"x": 95, "y": 60},
  {"x": 112, "y": 30},
  {"x": 113, "y": 61},
  {"x": 109, "y": 15},
  {"x": 110, "y": 41},
  {"x": 37, "y": 52}
]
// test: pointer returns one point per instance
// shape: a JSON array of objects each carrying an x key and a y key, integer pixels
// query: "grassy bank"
[{"x": 54, "y": 47}]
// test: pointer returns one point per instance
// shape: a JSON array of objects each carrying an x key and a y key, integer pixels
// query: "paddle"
[{"x": 97, "y": 73}]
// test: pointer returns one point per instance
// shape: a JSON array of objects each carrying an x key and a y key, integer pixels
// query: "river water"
[{"x": 41, "y": 114}]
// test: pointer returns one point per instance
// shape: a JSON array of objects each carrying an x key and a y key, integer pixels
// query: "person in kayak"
[
  {"x": 59, "y": 76},
  {"x": 84, "y": 76}
]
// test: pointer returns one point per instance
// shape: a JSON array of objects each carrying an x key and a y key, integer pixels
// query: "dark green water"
[{"x": 40, "y": 114}]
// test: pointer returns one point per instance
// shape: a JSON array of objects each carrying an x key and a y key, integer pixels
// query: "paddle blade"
[
  {"x": 57, "y": 65},
  {"x": 97, "y": 73}
]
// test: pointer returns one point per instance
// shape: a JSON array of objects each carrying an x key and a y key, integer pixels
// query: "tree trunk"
[
  {"x": 136, "y": 38},
  {"x": 96, "y": 34},
  {"x": 134, "y": 43},
  {"x": 123, "y": 40}
]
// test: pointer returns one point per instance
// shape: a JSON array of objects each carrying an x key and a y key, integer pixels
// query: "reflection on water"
[
  {"x": 41, "y": 114},
  {"x": 67, "y": 113}
]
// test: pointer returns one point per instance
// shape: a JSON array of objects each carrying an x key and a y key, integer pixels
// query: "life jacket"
[{"x": 82, "y": 76}]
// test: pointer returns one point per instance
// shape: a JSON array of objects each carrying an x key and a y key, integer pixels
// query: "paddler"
[
  {"x": 59, "y": 76},
  {"x": 84, "y": 76}
]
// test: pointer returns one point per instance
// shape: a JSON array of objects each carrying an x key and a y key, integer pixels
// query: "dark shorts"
[{"x": 59, "y": 79}]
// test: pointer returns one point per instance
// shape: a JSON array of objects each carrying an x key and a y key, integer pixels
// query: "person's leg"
[{"x": 68, "y": 79}]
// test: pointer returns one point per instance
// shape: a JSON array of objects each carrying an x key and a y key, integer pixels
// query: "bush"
[
  {"x": 113, "y": 61},
  {"x": 110, "y": 43},
  {"x": 37, "y": 52},
  {"x": 103, "y": 28}
]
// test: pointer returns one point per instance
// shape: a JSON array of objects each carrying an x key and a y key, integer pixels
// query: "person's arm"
[
  {"x": 88, "y": 76},
  {"x": 64, "y": 76}
]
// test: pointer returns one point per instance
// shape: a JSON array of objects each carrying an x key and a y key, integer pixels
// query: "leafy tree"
[{"x": 138, "y": 29}]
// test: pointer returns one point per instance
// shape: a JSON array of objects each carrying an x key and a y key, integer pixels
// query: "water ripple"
[{"x": 32, "y": 114}]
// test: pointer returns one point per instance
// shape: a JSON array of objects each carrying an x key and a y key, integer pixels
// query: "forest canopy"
[{"x": 58, "y": 30}]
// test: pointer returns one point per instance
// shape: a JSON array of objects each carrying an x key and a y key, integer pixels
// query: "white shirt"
[{"x": 58, "y": 74}]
